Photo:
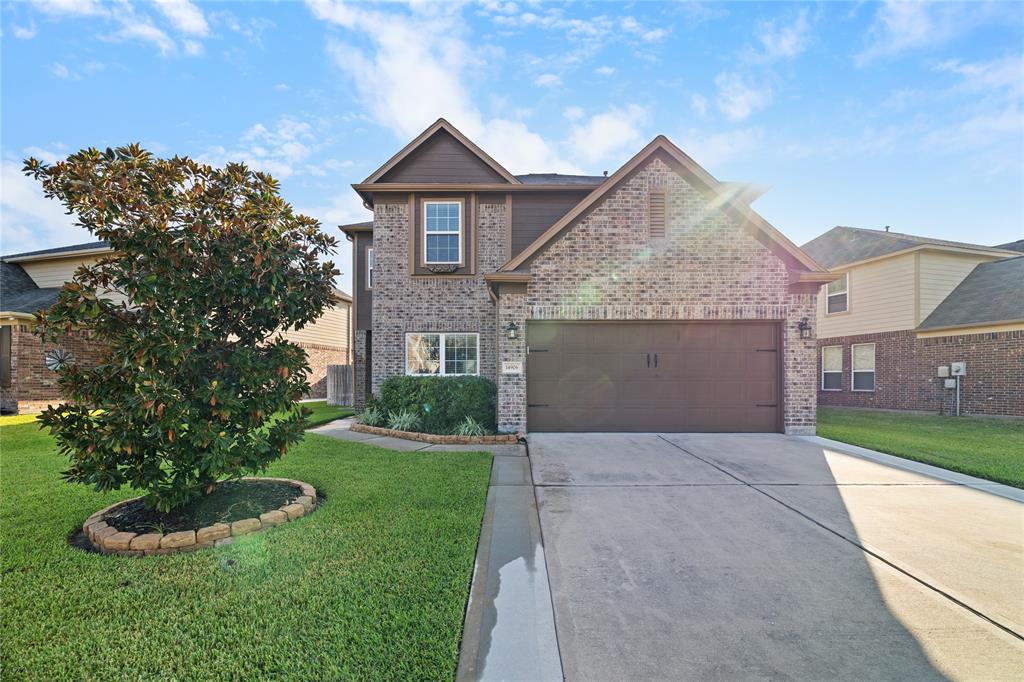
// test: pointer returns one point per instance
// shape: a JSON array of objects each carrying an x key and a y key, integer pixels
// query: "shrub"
[
  {"x": 372, "y": 416},
  {"x": 212, "y": 265},
  {"x": 442, "y": 402},
  {"x": 470, "y": 427},
  {"x": 404, "y": 420}
]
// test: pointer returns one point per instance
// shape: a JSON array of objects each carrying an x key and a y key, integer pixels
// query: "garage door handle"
[
  {"x": 767, "y": 350},
  {"x": 766, "y": 405},
  {"x": 648, "y": 359},
  {"x": 655, "y": 359},
  {"x": 537, "y": 405}
]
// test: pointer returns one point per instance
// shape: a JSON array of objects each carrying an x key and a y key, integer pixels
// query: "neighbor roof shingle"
[
  {"x": 560, "y": 179},
  {"x": 87, "y": 246},
  {"x": 19, "y": 294},
  {"x": 843, "y": 245},
  {"x": 993, "y": 292}
]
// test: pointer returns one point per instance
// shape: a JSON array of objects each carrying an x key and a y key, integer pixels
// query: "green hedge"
[{"x": 442, "y": 402}]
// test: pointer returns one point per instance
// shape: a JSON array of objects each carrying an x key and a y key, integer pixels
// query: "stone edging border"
[
  {"x": 436, "y": 438},
  {"x": 109, "y": 540}
]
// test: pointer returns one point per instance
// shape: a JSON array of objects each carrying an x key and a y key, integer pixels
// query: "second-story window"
[
  {"x": 442, "y": 232},
  {"x": 369, "y": 268},
  {"x": 837, "y": 298}
]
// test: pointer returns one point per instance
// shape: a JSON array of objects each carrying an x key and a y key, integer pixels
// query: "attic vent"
[{"x": 656, "y": 212}]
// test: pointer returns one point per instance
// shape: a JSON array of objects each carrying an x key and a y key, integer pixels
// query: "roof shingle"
[
  {"x": 993, "y": 292},
  {"x": 843, "y": 245}
]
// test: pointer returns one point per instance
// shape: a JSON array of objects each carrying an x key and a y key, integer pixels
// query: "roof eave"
[
  {"x": 56, "y": 256},
  {"x": 996, "y": 253}
]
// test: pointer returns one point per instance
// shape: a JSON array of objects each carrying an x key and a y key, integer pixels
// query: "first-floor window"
[
  {"x": 863, "y": 366},
  {"x": 443, "y": 354},
  {"x": 832, "y": 368}
]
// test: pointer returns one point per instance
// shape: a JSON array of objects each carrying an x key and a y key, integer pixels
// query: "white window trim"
[
  {"x": 462, "y": 224},
  {"x": 369, "y": 267},
  {"x": 853, "y": 371},
  {"x": 831, "y": 371},
  {"x": 444, "y": 345},
  {"x": 846, "y": 276}
]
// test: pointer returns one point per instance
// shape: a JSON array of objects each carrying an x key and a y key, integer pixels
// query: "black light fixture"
[
  {"x": 512, "y": 330},
  {"x": 805, "y": 328}
]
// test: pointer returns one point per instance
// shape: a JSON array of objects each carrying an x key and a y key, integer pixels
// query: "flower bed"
[
  {"x": 438, "y": 439},
  {"x": 108, "y": 539}
]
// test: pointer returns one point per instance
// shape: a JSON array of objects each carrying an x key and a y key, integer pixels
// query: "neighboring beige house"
[
  {"x": 905, "y": 306},
  {"x": 31, "y": 281}
]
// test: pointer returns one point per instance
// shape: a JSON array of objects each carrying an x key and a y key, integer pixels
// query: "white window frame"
[
  {"x": 831, "y": 371},
  {"x": 854, "y": 370},
  {"x": 462, "y": 229},
  {"x": 369, "y": 267},
  {"x": 846, "y": 278},
  {"x": 443, "y": 344}
]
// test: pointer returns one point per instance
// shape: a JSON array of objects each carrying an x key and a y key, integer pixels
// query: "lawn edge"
[{"x": 982, "y": 484}]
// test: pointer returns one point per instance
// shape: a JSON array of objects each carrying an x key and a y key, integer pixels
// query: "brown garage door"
[{"x": 653, "y": 376}]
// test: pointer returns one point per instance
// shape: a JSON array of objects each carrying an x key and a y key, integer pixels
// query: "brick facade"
[
  {"x": 34, "y": 387},
  {"x": 318, "y": 357},
  {"x": 359, "y": 367},
  {"x": 906, "y": 376},
  {"x": 706, "y": 268},
  {"x": 405, "y": 303}
]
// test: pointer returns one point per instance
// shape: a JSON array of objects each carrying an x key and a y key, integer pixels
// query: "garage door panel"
[{"x": 653, "y": 376}]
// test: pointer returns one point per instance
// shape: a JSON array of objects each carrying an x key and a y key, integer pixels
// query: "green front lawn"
[
  {"x": 371, "y": 585},
  {"x": 986, "y": 448},
  {"x": 324, "y": 413}
]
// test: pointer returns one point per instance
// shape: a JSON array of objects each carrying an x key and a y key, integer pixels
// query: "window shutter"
[{"x": 656, "y": 212}]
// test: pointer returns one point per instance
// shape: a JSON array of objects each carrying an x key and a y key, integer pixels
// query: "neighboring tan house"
[
  {"x": 31, "y": 281},
  {"x": 655, "y": 299},
  {"x": 905, "y": 306}
]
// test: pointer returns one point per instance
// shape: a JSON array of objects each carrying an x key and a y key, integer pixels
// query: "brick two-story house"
[
  {"x": 654, "y": 299},
  {"x": 905, "y": 306}
]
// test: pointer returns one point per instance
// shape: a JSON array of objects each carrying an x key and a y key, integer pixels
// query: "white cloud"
[
  {"x": 185, "y": 16},
  {"x": 44, "y": 155},
  {"x": 699, "y": 104},
  {"x": 413, "y": 74},
  {"x": 193, "y": 48},
  {"x": 631, "y": 25},
  {"x": 74, "y": 8},
  {"x": 281, "y": 87},
  {"x": 133, "y": 28},
  {"x": 604, "y": 70},
  {"x": 608, "y": 133},
  {"x": 737, "y": 99},
  {"x": 783, "y": 41},
  {"x": 548, "y": 80},
  {"x": 28, "y": 220},
  {"x": 718, "y": 148},
  {"x": 61, "y": 71},
  {"x": 1005, "y": 74},
  {"x": 25, "y": 32},
  {"x": 573, "y": 113},
  {"x": 900, "y": 27},
  {"x": 281, "y": 150}
]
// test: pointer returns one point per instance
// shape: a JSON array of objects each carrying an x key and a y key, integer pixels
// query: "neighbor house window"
[
  {"x": 369, "y": 268},
  {"x": 442, "y": 232},
  {"x": 836, "y": 298},
  {"x": 863, "y": 366},
  {"x": 832, "y": 368},
  {"x": 442, "y": 354}
]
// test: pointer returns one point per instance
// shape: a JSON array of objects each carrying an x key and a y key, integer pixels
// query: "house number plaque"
[{"x": 511, "y": 367}]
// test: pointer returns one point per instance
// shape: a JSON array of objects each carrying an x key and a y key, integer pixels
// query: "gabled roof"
[
  {"x": 845, "y": 245},
  {"x": 19, "y": 294},
  {"x": 992, "y": 293},
  {"x": 351, "y": 228},
  {"x": 729, "y": 194},
  {"x": 438, "y": 125},
  {"x": 1012, "y": 246}
]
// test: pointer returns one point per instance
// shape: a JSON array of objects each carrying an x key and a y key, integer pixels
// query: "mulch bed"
[{"x": 231, "y": 501}]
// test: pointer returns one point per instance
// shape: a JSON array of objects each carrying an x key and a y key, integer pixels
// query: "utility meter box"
[
  {"x": 944, "y": 371},
  {"x": 950, "y": 383},
  {"x": 958, "y": 369}
]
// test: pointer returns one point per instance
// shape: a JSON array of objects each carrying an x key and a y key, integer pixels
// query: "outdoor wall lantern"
[
  {"x": 512, "y": 330},
  {"x": 805, "y": 328}
]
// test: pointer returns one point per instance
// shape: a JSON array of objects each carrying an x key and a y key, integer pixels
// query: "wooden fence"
[{"x": 339, "y": 385}]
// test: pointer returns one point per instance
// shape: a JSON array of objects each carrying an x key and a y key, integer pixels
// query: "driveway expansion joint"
[{"x": 859, "y": 545}]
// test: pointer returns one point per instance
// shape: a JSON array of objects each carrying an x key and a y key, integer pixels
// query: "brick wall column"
[
  {"x": 359, "y": 369},
  {"x": 801, "y": 367},
  {"x": 511, "y": 387}
]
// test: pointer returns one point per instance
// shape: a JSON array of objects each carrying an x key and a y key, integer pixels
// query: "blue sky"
[{"x": 861, "y": 114}]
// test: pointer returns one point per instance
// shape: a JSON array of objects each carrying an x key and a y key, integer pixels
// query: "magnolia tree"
[{"x": 208, "y": 267}]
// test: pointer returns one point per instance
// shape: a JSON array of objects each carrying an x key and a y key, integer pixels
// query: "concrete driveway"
[{"x": 761, "y": 556}]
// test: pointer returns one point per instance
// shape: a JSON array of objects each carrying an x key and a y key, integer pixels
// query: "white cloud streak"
[{"x": 738, "y": 99}]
